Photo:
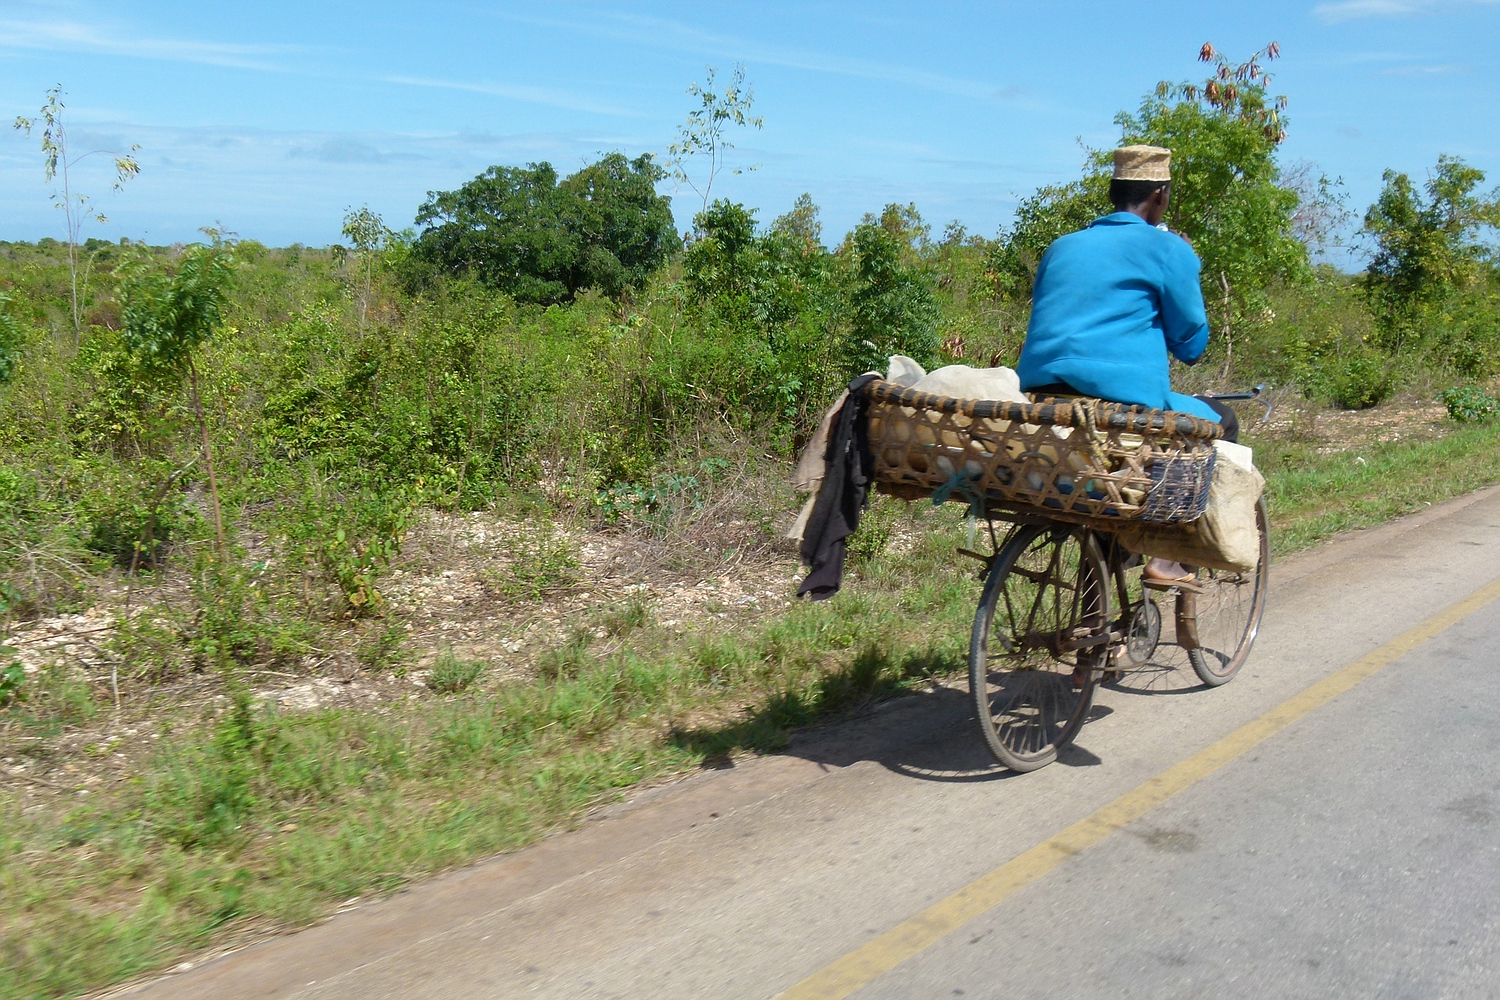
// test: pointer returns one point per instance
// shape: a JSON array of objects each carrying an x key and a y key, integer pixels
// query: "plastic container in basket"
[{"x": 1080, "y": 460}]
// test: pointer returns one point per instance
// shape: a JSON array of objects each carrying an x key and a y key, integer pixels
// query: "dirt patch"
[
  {"x": 453, "y": 586},
  {"x": 1336, "y": 431},
  {"x": 451, "y": 590}
]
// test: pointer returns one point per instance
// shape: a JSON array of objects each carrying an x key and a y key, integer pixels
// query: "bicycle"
[{"x": 1045, "y": 634}]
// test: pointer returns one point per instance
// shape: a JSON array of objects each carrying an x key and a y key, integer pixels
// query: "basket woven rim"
[{"x": 1058, "y": 413}]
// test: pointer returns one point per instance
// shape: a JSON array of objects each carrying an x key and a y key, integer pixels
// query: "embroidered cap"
[{"x": 1143, "y": 163}]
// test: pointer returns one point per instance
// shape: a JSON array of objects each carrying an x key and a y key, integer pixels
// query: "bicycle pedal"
[{"x": 1170, "y": 586}]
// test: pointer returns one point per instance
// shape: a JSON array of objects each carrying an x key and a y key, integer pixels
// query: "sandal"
[{"x": 1148, "y": 576}]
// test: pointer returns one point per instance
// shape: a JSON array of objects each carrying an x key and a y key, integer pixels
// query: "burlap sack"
[{"x": 1226, "y": 537}]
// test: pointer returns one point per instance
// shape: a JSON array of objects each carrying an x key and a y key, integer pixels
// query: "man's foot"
[{"x": 1165, "y": 571}]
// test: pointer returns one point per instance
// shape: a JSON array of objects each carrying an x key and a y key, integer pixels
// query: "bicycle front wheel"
[
  {"x": 1040, "y": 638},
  {"x": 1228, "y": 613}
]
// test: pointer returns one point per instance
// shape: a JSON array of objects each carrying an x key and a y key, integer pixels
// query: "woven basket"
[{"x": 1081, "y": 460}]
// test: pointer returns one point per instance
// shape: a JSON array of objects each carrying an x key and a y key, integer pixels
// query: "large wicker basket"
[{"x": 1081, "y": 460}]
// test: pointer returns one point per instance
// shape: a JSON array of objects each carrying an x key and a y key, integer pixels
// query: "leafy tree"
[
  {"x": 168, "y": 315},
  {"x": 1226, "y": 191},
  {"x": 892, "y": 310},
  {"x": 1228, "y": 194},
  {"x": 1426, "y": 248},
  {"x": 766, "y": 279},
  {"x": 522, "y": 231},
  {"x": 57, "y": 161},
  {"x": 369, "y": 234},
  {"x": 720, "y": 260},
  {"x": 625, "y": 227},
  {"x": 705, "y": 133},
  {"x": 801, "y": 223},
  {"x": 1053, "y": 211}
]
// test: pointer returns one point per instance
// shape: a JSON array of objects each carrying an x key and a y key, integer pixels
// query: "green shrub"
[
  {"x": 1469, "y": 405},
  {"x": 542, "y": 563},
  {"x": 12, "y": 678},
  {"x": 1361, "y": 381},
  {"x": 352, "y": 537},
  {"x": 876, "y": 525},
  {"x": 133, "y": 513},
  {"x": 621, "y": 619},
  {"x": 12, "y": 340},
  {"x": 451, "y": 675},
  {"x": 199, "y": 796}
]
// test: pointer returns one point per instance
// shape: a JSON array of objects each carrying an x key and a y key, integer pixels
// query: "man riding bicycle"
[{"x": 1110, "y": 301}]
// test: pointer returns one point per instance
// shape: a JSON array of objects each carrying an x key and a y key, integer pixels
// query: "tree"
[
  {"x": 891, "y": 302},
  {"x": 1322, "y": 214},
  {"x": 369, "y": 234},
  {"x": 705, "y": 133},
  {"x": 1226, "y": 191},
  {"x": 1053, "y": 211},
  {"x": 625, "y": 228},
  {"x": 756, "y": 280},
  {"x": 57, "y": 161},
  {"x": 521, "y": 230},
  {"x": 1426, "y": 248},
  {"x": 722, "y": 259},
  {"x": 167, "y": 315},
  {"x": 1228, "y": 195},
  {"x": 801, "y": 223}
]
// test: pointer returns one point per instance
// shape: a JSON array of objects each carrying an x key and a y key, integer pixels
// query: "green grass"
[
  {"x": 1312, "y": 497},
  {"x": 253, "y": 818},
  {"x": 200, "y": 840}
]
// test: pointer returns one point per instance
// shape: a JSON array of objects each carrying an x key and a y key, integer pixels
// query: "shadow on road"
[{"x": 869, "y": 713}]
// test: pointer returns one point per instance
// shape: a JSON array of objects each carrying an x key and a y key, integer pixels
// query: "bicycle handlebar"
[{"x": 1252, "y": 394}]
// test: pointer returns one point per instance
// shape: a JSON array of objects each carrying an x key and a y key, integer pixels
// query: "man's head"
[{"x": 1142, "y": 181}]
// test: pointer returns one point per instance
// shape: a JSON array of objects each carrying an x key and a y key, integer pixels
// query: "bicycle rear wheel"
[
  {"x": 1041, "y": 635},
  {"x": 1228, "y": 613}
]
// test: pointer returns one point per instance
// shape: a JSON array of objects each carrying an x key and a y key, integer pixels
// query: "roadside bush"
[
  {"x": 891, "y": 306},
  {"x": 1361, "y": 381},
  {"x": 1469, "y": 405},
  {"x": 351, "y": 537},
  {"x": 199, "y": 796},
  {"x": 12, "y": 340},
  {"x": 876, "y": 526},
  {"x": 133, "y": 512},
  {"x": 450, "y": 675},
  {"x": 541, "y": 563},
  {"x": 12, "y": 677}
]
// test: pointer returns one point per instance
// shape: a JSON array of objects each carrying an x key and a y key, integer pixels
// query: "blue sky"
[{"x": 272, "y": 118}]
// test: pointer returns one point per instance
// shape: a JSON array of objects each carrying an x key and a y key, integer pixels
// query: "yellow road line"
[{"x": 864, "y": 964}]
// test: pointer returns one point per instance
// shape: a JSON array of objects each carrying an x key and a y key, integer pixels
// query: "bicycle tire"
[
  {"x": 1228, "y": 613},
  {"x": 1023, "y": 693}
]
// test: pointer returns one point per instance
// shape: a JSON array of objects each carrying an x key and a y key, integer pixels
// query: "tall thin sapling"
[
  {"x": 58, "y": 162},
  {"x": 167, "y": 315},
  {"x": 706, "y": 130},
  {"x": 369, "y": 234}
]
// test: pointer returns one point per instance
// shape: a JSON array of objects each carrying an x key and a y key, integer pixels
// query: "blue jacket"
[{"x": 1108, "y": 303}]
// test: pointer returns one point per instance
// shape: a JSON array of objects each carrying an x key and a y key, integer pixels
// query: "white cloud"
[
  {"x": 676, "y": 36},
  {"x": 1353, "y": 10},
  {"x": 71, "y": 36}
]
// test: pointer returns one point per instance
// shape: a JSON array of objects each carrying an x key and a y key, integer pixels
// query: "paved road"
[{"x": 1352, "y": 854}]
